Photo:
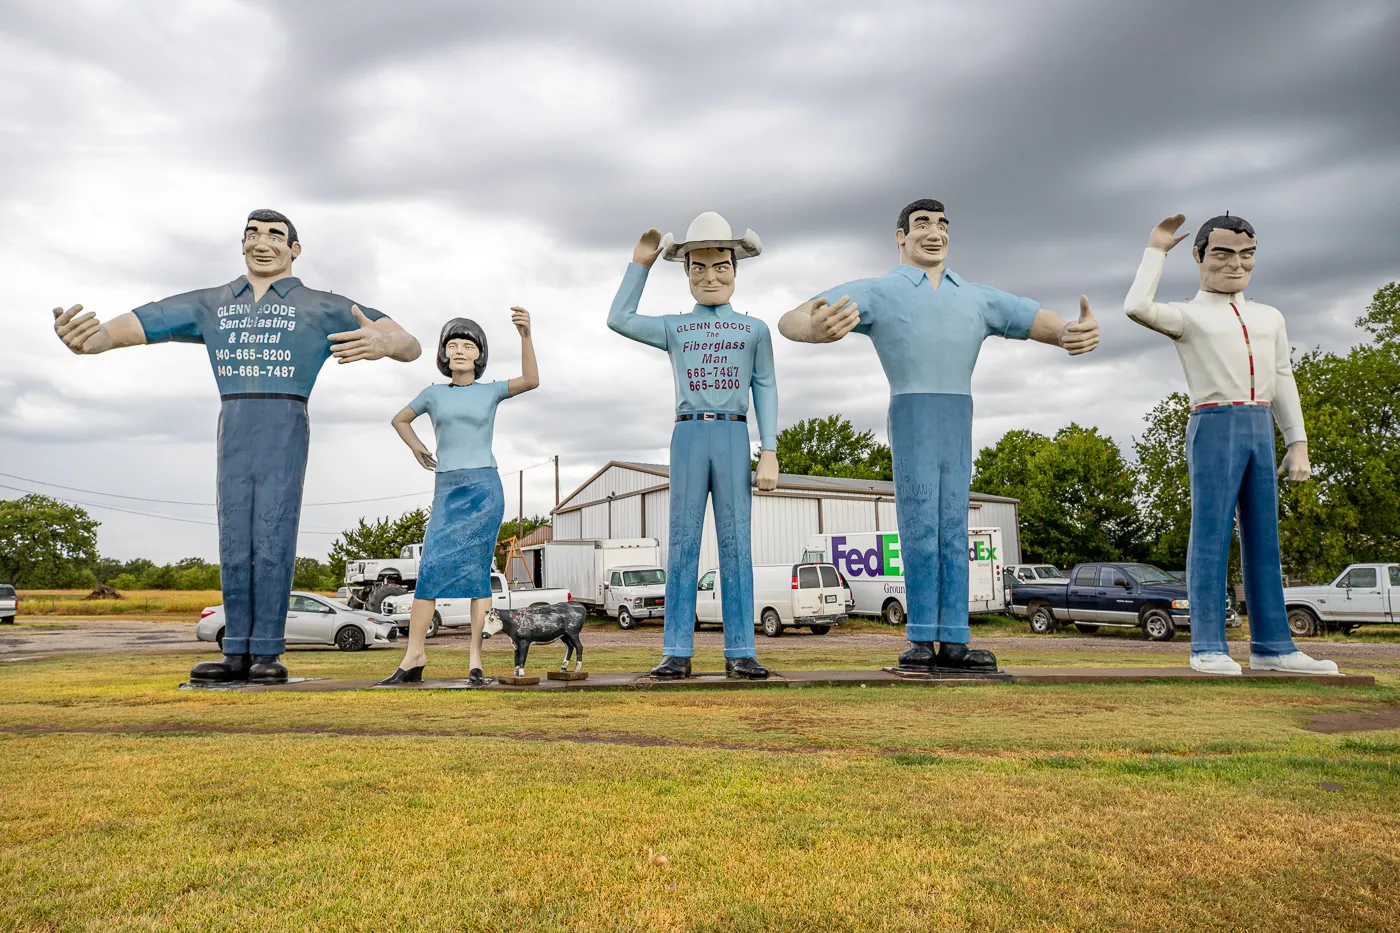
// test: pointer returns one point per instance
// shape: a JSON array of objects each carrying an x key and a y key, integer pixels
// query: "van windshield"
[{"x": 643, "y": 577}]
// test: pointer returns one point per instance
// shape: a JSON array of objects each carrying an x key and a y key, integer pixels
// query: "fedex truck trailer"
[{"x": 871, "y": 564}]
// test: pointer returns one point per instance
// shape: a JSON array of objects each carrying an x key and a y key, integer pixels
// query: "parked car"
[
  {"x": 809, "y": 595},
  {"x": 312, "y": 620},
  {"x": 9, "y": 603},
  {"x": 1033, "y": 573},
  {"x": 635, "y": 593},
  {"x": 1363, "y": 594},
  {"x": 452, "y": 613},
  {"x": 1113, "y": 595}
]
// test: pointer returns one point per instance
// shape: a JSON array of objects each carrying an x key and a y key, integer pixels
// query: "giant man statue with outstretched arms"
[
  {"x": 928, "y": 324},
  {"x": 267, "y": 336}
]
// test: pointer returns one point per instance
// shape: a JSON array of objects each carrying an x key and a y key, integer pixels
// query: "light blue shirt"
[
  {"x": 464, "y": 418},
  {"x": 717, "y": 355},
  {"x": 928, "y": 339},
  {"x": 276, "y": 345}
]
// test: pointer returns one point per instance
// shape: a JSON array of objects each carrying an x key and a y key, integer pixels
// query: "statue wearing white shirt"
[{"x": 1236, "y": 358}]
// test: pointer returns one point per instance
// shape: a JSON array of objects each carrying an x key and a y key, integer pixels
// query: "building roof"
[
  {"x": 793, "y": 481},
  {"x": 541, "y": 535}
]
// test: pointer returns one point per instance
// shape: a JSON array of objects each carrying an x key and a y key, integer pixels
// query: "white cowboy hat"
[{"x": 711, "y": 231}]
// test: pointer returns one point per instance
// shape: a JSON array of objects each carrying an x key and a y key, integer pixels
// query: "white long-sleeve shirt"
[{"x": 1232, "y": 349}]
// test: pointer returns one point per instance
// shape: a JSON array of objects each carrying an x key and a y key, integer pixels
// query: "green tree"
[
  {"x": 1164, "y": 489},
  {"x": 312, "y": 574},
  {"x": 1076, "y": 492},
  {"x": 46, "y": 543},
  {"x": 384, "y": 537},
  {"x": 831, "y": 446}
]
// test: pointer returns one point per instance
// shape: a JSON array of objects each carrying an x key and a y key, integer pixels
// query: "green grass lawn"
[{"x": 129, "y": 805}]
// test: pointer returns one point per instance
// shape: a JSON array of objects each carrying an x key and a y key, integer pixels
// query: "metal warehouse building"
[{"x": 632, "y": 500}]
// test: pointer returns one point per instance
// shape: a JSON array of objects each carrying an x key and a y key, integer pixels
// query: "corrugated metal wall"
[
  {"x": 595, "y": 521},
  {"x": 781, "y": 527},
  {"x": 840, "y": 515},
  {"x": 627, "y": 517},
  {"x": 567, "y": 526},
  {"x": 617, "y": 480}
]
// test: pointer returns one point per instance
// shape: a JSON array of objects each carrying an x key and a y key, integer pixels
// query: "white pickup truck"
[
  {"x": 451, "y": 613},
  {"x": 371, "y": 581},
  {"x": 1364, "y": 594}
]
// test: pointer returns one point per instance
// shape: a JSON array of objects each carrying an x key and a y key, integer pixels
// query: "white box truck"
[
  {"x": 872, "y": 567},
  {"x": 619, "y": 577}
]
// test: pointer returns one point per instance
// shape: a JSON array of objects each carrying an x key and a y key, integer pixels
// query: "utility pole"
[
  {"x": 556, "y": 481},
  {"x": 520, "y": 528}
]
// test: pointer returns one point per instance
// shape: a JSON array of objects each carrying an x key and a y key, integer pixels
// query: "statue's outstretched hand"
[
  {"x": 81, "y": 333},
  {"x": 1081, "y": 336},
  {"x": 1163, "y": 235},
  {"x": 364, "y": 343},
  {"x": 648, "y": 248},
  {"x": 830, "y": 323}
]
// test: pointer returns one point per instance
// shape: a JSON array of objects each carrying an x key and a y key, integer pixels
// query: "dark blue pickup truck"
[{"x": 1114, "y": 595}]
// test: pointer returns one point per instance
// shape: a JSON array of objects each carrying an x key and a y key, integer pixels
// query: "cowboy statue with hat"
[{"x": 717, "y": 357}]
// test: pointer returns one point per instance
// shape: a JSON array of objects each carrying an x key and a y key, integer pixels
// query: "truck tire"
[
  {"x": 1043, "y": 620},
  {"x": 350, "y": 638},
  {"x": 625, "y": 619},
  {"x": 374, "y": 602},
  {"x": 1302, "y": 623},
  {"x": 893, "y": 613},
  {"x": 1086, "y": 629},
  {"x": 219, "y": 638},
  {"x": 772, "y": 623},
  {"x": 820, "y": 629},
  {"x": 1157, "y": 625},
  {"x": 435, "y": 625}
]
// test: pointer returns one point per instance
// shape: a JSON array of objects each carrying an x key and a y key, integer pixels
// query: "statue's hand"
[
  {"x": 829, "y": 323},
  {"x": 81, "y": 333},
  {"x": 425, "y": 459},
  {"x": 521, "y": 319},
  {"x": 1295, "y": 463},
  {"x": 364, "y": 343},
  {"x": 1081, "y": 336},
  {"x": 648, "y": 248},
  {"x": 1163, "y": 236},
  {"x": 767, "y": 471}
]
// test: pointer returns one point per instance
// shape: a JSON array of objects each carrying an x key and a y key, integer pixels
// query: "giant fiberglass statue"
[
  {"x": 468, "y": 502},
  {"x": 928, "y": 324},
  {"x": 267, "y": 336},
  {"x": 1236, "y": 357},
  {"x": 718, "y": 356}
]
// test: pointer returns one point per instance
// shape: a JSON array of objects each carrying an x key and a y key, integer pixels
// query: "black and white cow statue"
[{"x": 540, "y": 625}]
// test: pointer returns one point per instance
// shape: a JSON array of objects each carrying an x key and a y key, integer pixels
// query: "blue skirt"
[{"x": 468, "y": 506}]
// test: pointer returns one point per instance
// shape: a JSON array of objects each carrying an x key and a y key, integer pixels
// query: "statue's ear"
[{"x": 296, "y": 249}]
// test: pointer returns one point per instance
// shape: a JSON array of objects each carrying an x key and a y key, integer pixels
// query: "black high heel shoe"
[
  {"x": 414, "y": 675},
  {"x": 475, "y": 678}
]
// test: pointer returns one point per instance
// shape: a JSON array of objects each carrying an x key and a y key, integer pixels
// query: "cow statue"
[{"x": 540, "y": 624}]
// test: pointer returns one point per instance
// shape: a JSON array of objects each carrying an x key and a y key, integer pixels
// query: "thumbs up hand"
[
  {"x": 1081, "y": 336},
  {"x": 365, "y": 343}
]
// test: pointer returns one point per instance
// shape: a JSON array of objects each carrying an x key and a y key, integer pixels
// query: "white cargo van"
[
  {"x": 806, "y": 595},
  {"x": 871, "y": 564},
  {"x": 586, "y": 569}
]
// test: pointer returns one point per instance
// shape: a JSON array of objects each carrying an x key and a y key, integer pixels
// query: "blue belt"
[{"x": 711, "y": 416}]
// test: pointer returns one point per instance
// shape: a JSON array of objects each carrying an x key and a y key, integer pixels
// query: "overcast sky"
[{"x": 443, "y": 159}]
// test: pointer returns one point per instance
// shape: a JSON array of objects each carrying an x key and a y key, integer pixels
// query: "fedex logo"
[
  {"x": 981, "y": 550},
  {"x": 880, "y": 561}
]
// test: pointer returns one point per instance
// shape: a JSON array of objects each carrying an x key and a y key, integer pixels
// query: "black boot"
[
  {"x": 918, "y": 658},
  {"x": 266, "y": 669},
  {"x": 671, "y": 668},
  {"x": 414, "y": 675},
  {"x": 964, "y": 660},
  {"x": 744, "y": 669},
  {"x": 233, "y": 669}
]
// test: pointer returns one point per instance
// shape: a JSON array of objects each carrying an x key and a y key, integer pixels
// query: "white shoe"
[
  {"x": 1215, "y": 662},
  {"x": 1294, "y": 662}
]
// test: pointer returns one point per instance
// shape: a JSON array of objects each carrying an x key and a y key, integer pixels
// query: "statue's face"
[
  {"x": 462, "y": 355},
  {"x": 265, "y": 248},
  {"x": 1228, "y": 262},
  {"x": 926, "y": 243},
  {"x": 711, "y": 275}
]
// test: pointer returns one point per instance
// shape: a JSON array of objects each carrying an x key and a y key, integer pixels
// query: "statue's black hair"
[
  {"x": 1223, "y": 222},
  {"x": 267, "y": 216},
  {"x": 923, "y": 204},
  {"x": 460, "y": 328}
]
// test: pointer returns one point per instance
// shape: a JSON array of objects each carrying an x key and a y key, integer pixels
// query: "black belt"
[
  {"x": 241, "y": 395},
  {"x": 711, "y": 416}
]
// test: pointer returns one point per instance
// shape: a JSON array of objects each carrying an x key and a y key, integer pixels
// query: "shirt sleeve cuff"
[
  {"x": 153, "y": 322},
  {"x": 1292, "y": 436},
  {"x": 1019, "y": 326}
]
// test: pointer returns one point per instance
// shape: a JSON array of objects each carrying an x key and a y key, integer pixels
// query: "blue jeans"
[
  {"x": 931, "y": 438},
  {"x": 262, "y": 463},
  {"x": 1230, "y": 459},
  {"x": 710, "y": 459}
]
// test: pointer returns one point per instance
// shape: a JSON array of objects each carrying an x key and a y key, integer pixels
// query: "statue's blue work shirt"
[
  {"x": 464, "y": 420},
  {"x": 717, "y": 355},
  {"x": 928, "y": 339},
  {"x": 274, "y": 346}
]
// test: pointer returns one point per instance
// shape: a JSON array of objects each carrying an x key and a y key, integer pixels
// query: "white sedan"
[{"x": 313, "y": 620}]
